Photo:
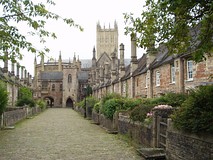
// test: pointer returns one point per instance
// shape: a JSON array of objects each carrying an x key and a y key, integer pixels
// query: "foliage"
[
  {"x": 97, "y": 107},
  {"x": 25, "y": 97},
  {"x": 139, "y": 113},
  {"x": 41, "y": 103},
  {"x": 81, "y": 104},
  {"x": 3, "y": 97},
  {"x": 110, "y": 107},
  {"x": 176, "y": 24},
  {"x": 91, "y": 101},
  {"x": 25, "y": 92},
  {"x": 110, "y": 96},
  {"x": 196, "y": 113},
  {"x": 175, "y": 99},
  {"x": 25, "y": 12},
  {"x": 130, "y": 103},
  {"x": 25, "y": 101}
]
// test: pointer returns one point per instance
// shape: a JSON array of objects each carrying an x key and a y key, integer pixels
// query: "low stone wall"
[
  {"x": 139, "y": 133},
  {"x": 181, "y": 146},
  {"x": 105, "y": 122},
  {"x": 12, "y": 116},
  {"x": 95, "y": 117},
  {"x": 89, "y": 112}
]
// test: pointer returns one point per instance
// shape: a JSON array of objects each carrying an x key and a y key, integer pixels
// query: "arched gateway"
[
  {"x": 69, "y": 103},
  {"x": 49, "y": 101}
]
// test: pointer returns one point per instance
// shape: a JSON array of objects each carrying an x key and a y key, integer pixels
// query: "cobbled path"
[{"x": 62, "y": 134}]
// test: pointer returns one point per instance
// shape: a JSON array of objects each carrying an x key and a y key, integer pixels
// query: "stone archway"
[
  {"x": 49, "y": 101},
  {"x": 69, "y": 103}
]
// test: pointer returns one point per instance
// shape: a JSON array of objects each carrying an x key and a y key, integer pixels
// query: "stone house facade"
[
  {"x": 154, "y": 74},
  {"x": 60, "y": 82},
  {"x": 14, "y": 80}
]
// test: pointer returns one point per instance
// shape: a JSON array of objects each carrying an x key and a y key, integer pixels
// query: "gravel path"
[{"x": 62, "y": 134}]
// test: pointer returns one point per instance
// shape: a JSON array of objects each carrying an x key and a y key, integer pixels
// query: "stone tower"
[{"x": 106, "y": 40}]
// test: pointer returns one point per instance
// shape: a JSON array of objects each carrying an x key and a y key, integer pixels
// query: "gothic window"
[
  {"x": 172, "y": 73},
  {"x": 157, "y": 78},
  {"x": 189, "y": 70},
  {"x": 69, "y": 78},
  {"x": 44, "y": 85},
  {"x": 53, "y": 87}
]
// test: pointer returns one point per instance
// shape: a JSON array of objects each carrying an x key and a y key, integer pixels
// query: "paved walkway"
[{"x": 62, "y": 134}]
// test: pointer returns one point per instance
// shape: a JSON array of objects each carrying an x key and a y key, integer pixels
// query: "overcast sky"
[{"x": 87, "y": 14}]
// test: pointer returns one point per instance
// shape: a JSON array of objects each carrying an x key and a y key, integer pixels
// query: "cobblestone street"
[{"x": 62, "y": 134}]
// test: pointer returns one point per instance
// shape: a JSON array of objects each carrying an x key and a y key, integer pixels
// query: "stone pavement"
[{"x": 62, "y": 134}]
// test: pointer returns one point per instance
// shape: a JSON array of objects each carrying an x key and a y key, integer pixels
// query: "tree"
[
  {"x": 183, "y": 26},
  {"x": 3, "y": 97},
  {"x": 35, "y": 15},
  {"x": 25, "y": 97}
]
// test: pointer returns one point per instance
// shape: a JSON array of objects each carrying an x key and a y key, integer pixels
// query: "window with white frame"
[
  {"x": 189, "y": 70},
  {"x": 157, "y": 78},
  {"x": 172, "y": 72}
]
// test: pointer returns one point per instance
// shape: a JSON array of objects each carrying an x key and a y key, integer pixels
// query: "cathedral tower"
[{"x": 106, "y": 40}]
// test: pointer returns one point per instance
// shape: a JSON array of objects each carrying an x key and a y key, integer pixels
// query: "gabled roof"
[
  {"x": 141, "y": 66},
  {"x": 51, "y": 76}
]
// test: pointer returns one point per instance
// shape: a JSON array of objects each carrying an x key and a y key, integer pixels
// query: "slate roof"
[{"x": 51, "y": 76}]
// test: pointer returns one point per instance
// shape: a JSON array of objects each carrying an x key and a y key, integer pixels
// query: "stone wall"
[
  {"x": 14, "y": 115},
  {"x": 137, "y": 132},
  {"x": 181, "y": 146}
]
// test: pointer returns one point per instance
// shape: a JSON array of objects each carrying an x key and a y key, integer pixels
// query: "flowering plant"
[
  {"x": 148, "y": 119},
  {"x": 162, "y": 107}
]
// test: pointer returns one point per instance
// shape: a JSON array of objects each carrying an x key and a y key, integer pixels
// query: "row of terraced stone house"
[
  {"x": 152, "y": 75},
  {"x": 14, "y": 80}
]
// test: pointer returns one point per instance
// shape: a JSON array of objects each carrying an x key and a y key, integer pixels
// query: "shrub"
[
  {"x": 110, "y": 107},
  {"x": 91, "y": 101},
  {"x": 196, "y": 114},
  {"x": 81, "y": 103},
  {"x": 175, "y": 99},
  {"x": 3, "y": 97},
  {"x": 111, "y": 96},
  {"x": 41, "y": 103},
  {"x": 130, "y": 103},
  {"x": 97, "y": 107},
  {"x": 139, "y": 113},
  {"x": 25, "y": 101}
]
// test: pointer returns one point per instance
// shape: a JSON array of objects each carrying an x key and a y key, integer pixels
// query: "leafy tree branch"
[
  {"x": 35, "y": 16},
  {"x": 184, "y": 26}
]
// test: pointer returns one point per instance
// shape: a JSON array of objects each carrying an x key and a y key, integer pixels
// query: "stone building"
[
  {"x": 14, "y": 80},
  {"x": 59, "y": 82},
  {"x": 153, "y": 74}
]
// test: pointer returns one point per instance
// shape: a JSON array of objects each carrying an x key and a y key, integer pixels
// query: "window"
[
  {"x": 61, "y": 88},
  {"x": 157, "y": 78},
  {"x": 146, "y": 79},
  {"x": 137, "y": 82},
  {"x": 53, "y": 87},
  {"x": 69, "y": 78},
  {"x": 44, "y": 85},
  {"x": 172, "y": 73},
  {"x": 190, "y": 70}
]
